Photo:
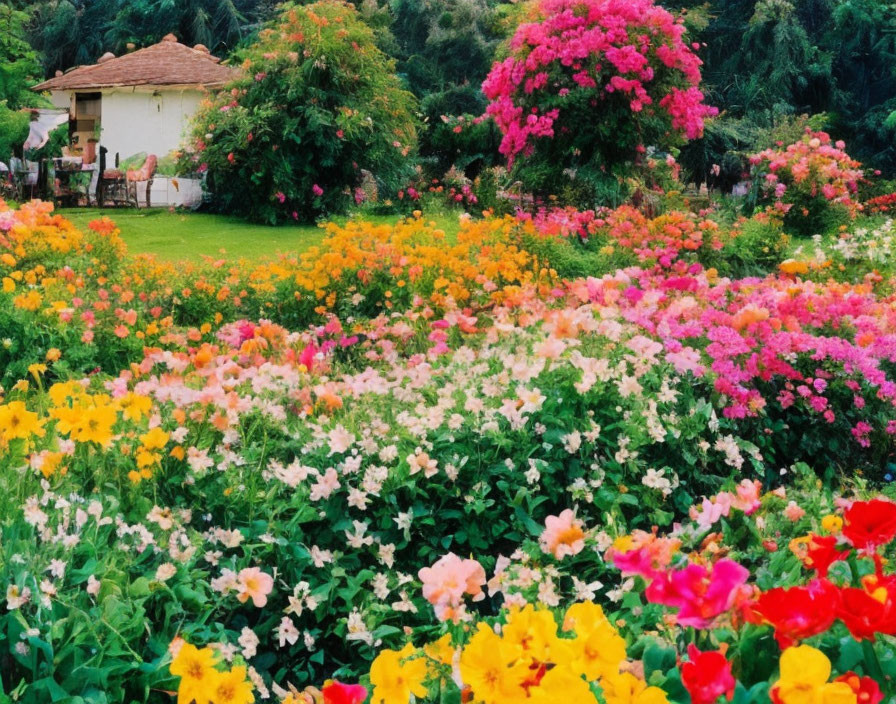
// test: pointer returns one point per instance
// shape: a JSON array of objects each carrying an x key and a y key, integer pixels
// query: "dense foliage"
[{"x": 318, "y": 103}]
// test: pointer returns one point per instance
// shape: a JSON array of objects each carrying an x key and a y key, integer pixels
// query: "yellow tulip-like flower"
[
  {"x": 395, "y": 677},
  {"x": 625, "y": 688},
  {"x": 599, "y": 651},
  {"x": 134, "y": 406},
  {"x": 804, "y": 679},
  {"x": 493, "y": 668},
  {"x": 198, "y": 676}
]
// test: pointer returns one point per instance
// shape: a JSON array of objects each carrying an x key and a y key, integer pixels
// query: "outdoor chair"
[
  {"x": 145, "y": 173},
  {"x": 120, "y": 187}
]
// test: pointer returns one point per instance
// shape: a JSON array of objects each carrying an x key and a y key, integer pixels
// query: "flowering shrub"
[
  {"x": 317, "y": 103},
  {"x": 589, "y": 84},
  {"x": 806, "y": 178}
]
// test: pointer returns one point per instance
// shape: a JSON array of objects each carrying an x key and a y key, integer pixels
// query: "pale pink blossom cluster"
[{"x": 447, "y": 582}]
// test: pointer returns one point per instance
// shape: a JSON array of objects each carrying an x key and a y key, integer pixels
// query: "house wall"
[
  {"x": 145, "y": 120},
  {"x": 141, "y": 120}
]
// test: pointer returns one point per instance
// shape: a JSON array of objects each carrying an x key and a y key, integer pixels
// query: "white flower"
[
  {"x": 403, "y": 520},
  {"x": 16, "y": 598},
  {"x": 93, "y": 585},
  {"x": 248, "y": 642},
  {"x": 287, "y": 632}
]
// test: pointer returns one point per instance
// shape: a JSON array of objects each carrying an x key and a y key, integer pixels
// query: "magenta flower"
[{"x": 699, "y": 594}]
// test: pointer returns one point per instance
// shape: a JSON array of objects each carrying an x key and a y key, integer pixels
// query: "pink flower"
[
  {"x": 446, "y": 583},
  {"x": 793, "y": 512},
  {"x": 252, "y": 583},
  {"x": 317, "y": 190},
  {"x": 700, "y": 595},
  {"x": 563, "y": 535}
]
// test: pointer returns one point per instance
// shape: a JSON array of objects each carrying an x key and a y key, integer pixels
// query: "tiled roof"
[{"x": 167, "y": 63}]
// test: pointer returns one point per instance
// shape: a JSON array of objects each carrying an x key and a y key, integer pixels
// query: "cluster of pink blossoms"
[
  {"x": 447, "y": 582},
  {"x": 814, "y": 165},
  {"x": 597, "y": 48}
]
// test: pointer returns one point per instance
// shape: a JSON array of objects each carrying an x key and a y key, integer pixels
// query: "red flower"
[
  {"x": 798, "y": 612},
  {"x": 866, "y": 689},
  {"x": 871, "y": 610},
  {"x": 707, "y": 676},
  {"x": 822, "y": 552},
  {"x": 338, "y": 693},
  {"x": 868, "y": 524}
]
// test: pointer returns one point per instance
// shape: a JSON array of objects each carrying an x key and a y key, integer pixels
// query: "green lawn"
[{"x": 190, "y": 236}]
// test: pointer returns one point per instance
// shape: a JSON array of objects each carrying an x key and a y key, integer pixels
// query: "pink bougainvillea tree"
[{"x": 589, "y": 84}]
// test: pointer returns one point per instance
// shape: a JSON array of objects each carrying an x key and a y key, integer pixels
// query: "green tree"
[
  {"x": 19, "y": 69},
  {"x": 769, "y": 60},
  {"x": 318, "y": 103},
  {"x": 218, "y": 24}
]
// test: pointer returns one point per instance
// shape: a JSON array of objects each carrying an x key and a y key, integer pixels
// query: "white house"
[{"x": 137, "y": 102}]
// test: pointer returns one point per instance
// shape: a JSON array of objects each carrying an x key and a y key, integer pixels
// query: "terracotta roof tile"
[{"x": 162, "y": 64}]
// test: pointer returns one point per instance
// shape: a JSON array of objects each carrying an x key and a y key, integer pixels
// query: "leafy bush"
[{"x": 318, "y": 103}]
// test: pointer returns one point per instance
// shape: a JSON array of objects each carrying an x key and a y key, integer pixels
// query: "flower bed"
[{"x": 336, "y": 465}]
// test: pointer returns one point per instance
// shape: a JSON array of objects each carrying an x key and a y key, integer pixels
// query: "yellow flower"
[
  {"x": 804, "y": 679},
  {"x": 493, "y": 668},
  {"x": 16, "y": 421},
  {"x": 534, "y": 632},
  {"x": 196, "y": 669},
  {"x": 561, "y": 685},
  {"x": 625, "y": 688},
  {"x": 95, "y": 425},
  {"x": 36, "y": 370},
  {"x": 832, "y": 523},
  {"x": 599, "y": 652},
  {"x": 441, "y": 651},
  {"x": 395, "y": 678},
  {"x": 134, "y": 407},
  {"x": 232, "y": 687},
  {"x": 155, "y": 439}
]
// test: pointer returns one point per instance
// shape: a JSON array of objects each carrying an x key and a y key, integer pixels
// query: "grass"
[{"x": 176, "y": 236}]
